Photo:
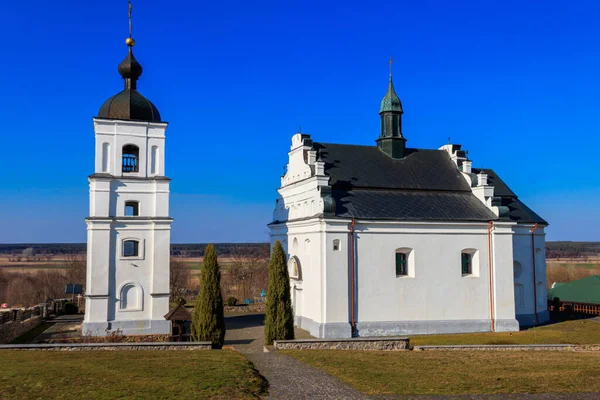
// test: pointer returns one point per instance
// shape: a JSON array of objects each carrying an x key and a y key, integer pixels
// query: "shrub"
[
  {"x": 279, "y": 321},
  {"x": 231, "y": 301},
  {"x": 208, "y": 321},
  {"x": 70, "y": 308}
]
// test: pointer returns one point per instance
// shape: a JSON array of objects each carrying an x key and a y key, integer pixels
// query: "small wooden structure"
[{"x": 180, "y": 323}]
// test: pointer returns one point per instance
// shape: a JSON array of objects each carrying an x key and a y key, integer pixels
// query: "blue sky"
[{"x": 515, "y": 82}]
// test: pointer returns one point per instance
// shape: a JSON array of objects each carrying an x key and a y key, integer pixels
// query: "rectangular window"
[
  {"x": 132, "y": 208},
  {"x": 130, "y": 248},
  {"x": 401, "y": 265},
  {"x": 467, "y": 263}
]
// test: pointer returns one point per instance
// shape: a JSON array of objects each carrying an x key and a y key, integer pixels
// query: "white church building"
[
  {"x": 129, "y": 228},
  {"x": 392, "y": 240}
]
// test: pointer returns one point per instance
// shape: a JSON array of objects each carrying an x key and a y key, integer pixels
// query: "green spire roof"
[{"x": 391, "y": 101}]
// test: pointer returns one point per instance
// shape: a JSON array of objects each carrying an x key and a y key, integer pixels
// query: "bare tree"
[
  {"x": 179, "y": 279},
  {"x": 248, "y": 272},
  {"x": 76, "y": 268}
]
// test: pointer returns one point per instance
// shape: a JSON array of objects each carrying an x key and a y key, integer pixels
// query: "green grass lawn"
[
  {"x": 128, "y": 374},
  {"x": 473, "y": 372},
  {"x": 568, "y": 332}
]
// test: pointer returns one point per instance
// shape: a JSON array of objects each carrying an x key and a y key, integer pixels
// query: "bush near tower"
[
  {"x": 208, "y": 322},
  {"x": 279, "y": 322}
]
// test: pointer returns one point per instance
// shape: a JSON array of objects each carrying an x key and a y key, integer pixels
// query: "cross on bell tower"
[{"x": 391, "y": 141}]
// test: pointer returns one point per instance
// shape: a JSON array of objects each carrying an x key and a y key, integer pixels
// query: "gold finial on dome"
[{"x": 130, "y": 42}]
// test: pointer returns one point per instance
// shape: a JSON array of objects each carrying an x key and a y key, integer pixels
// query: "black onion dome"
[
  {"x": 130, "y": 67},
  {"x": 129, "y": 104}
]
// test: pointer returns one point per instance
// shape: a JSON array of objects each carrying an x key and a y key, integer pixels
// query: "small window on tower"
[
  {"x": 336, "y": 245},
  {"x": 132, "y": 208},
  {"x": 131, "y": 248}
]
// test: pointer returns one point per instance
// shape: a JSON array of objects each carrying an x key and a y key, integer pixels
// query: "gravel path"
[{"x": 288, "y": 378}]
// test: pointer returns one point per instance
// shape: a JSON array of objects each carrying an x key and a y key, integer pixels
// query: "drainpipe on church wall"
[
  {"x": 491, "y": 272},
  {"x": 353, "y": 279},
  {"x": 535, "y": 226}
]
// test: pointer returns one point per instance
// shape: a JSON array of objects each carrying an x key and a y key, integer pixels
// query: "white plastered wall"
[{"x": 108, "y": 227}]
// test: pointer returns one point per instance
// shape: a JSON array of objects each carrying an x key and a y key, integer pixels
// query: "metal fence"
[{"x": 572, "y": 307}]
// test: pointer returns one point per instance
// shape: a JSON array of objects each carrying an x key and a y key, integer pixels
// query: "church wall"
[
  {"x": 503, "y": 282},
  {"x": 307, "y": 292},
  {"x": 436, "y": 298},
  {"x": 522, "y": 254},
  {"x": 337, "y": 283},
  {"x": 137, "y": 270}
]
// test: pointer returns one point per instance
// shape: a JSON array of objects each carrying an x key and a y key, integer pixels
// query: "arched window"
[
  {"x": 294, "y": 268},
  {"x": 105, "y": 157},
  {"x": 295, "y": 246},
  {"x": 131, "y": 297},
  {"x": 518, "y": 269},
  {"x": 132, "y": 208},
  {"x": 469, "y": 261},
  {"x": 154, "y": 166},
  {"x": 131, "y": 248},
  {"x": 404, "y": 262},
  {"x": 401, "y": 264},
  {"x": 131, "y": 155},
  {"x": 518, "y": 295}
]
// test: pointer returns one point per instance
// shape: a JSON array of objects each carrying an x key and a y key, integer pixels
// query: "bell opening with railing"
[{"x": 131, "y": 155}]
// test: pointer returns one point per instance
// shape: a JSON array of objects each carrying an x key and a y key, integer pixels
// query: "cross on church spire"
[
  {"x": 391, "y": 62},
  {"x": 129, "y": 41}
]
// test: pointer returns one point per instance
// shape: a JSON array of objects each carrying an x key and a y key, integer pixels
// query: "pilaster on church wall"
[
  {"x": 502, "y": 262},
  {"x": 99, "y": 258}
]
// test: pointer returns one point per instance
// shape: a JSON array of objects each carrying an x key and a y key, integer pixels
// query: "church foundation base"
[
  {"x": 507, "y": 325},
  {"x": 529, "y": 319},
  {"x": 332, "y": 330},
  {"x": 399, "y": 328},
  {"x": 140, "y": 327}
]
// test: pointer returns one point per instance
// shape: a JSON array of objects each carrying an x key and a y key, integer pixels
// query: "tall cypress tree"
[
  {"x": 279, "y": 321},
  {"x": 208, "y": 322}
]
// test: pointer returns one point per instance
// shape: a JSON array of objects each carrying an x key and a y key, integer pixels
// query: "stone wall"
[
  {"x": 508, "y": 347},
  {"x": 12, "y": 330},
  {"x": 250, "y": 308},
  {"x": 344, "y": 344},
  {"x": 179, "y": 346}
]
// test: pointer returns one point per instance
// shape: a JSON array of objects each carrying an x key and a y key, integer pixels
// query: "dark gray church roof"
[
  {"x": 368, "y": 167},
  {"x": 423, "y": 186},
  {"x": 518, "y": 211}
]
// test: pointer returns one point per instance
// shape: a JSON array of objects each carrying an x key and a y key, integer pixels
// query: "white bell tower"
[{"x": 128, "y": 228}]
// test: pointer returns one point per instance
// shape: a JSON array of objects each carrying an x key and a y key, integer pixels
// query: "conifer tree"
[
  {"x": 279, "y": 321},
  {"x": 208, "y": 322}
]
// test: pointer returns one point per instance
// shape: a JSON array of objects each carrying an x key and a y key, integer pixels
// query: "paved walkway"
[{"x": 288, "y": 378}]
